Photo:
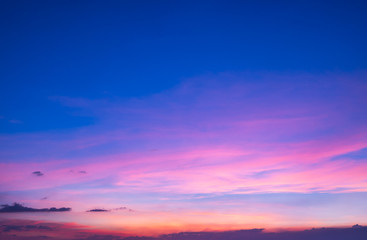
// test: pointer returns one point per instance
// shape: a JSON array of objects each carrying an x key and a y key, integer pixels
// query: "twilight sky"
[{"x": 184, "y": 115}]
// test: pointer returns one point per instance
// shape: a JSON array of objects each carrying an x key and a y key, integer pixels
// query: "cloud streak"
[
  {"x": 16, "y": 208},
  {"x": 98, "y": 210}
]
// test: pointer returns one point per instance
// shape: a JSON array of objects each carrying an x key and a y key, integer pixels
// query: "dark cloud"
[
  {"x": 83, "y": 172},
  {"x": 357, "y": 226},
  {"x": 113, "y": 209},
  {"x": 98, "y": 210},
  {"x": 44, "y": 198},
  {"x": 38, "y": 173},
  {"x": 16, "y": 207}
]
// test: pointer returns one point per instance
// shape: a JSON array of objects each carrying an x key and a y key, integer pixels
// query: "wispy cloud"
[{"x": 216, "y": 135}]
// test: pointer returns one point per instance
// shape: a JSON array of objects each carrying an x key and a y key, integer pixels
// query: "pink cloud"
[{"x": 279, "y": 134}]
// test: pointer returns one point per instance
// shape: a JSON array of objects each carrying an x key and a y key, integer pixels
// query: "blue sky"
[
  {"x": 125, "y": 49},
  {"x": 196, "y": 115}
]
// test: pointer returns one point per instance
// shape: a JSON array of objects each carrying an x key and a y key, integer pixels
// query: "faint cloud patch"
[
  {"x": 38, "y": 173},
  {"x": 14, "y": 121},
  {"x": 360, "y": 154}
]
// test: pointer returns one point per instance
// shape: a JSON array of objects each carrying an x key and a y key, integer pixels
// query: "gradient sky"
[{"x": 184, "y": 115}]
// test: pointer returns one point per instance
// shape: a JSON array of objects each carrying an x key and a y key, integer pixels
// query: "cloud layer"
[{"x": 276, "y": 138}]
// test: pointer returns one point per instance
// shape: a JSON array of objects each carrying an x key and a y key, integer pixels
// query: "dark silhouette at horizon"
[{"x": 38, "y": 230}]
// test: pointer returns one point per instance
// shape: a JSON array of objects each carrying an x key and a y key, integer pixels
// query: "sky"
[{"x": 157, "y": 117}]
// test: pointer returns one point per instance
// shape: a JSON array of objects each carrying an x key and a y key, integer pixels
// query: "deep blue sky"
[{"x": 98, "y": 49}]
